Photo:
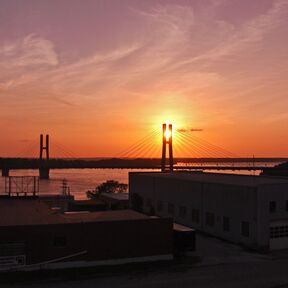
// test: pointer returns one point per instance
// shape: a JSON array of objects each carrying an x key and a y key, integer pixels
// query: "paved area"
[
  {"x": 213, "y": 251},
  {"x": 221, "y": 265}
]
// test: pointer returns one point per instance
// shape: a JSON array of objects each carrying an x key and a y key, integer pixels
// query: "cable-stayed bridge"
[{"x": 144, "y": 154}]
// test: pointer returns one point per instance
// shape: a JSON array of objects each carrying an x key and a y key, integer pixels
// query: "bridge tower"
[
  {"x": 167, "y": 140},
  {"x": 43, "y": 162}
]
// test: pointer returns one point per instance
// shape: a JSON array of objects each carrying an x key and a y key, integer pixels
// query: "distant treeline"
[
  {"x": 278, "y": 170},
  {"x": 28, "y": 163},
  {"x": 229, "y": 160}
]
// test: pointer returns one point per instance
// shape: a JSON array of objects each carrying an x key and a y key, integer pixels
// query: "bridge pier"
[
  {"x": 44, "y": 173},
  {"x": 5, "y": 172}
]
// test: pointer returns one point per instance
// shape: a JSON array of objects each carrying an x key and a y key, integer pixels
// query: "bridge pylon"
[
  {"x": 167, "y": 140},
  {"x": 44, "y": 167}
]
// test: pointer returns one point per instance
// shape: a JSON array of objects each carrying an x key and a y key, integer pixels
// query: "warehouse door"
[{"x": 278, "y": 235}]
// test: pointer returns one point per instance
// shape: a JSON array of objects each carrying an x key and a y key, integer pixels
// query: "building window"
[
  {"x": 272, "y": 206},
  {"x": 245, "y": 228},
  {"x": 59, "y": 241},
  {"x": 279, "y": 231},
  {"x": 159, "y": 206},
  {"x": 182, "y": 211},
  {"x": 170, "y": 209},
  {"x": 226, "y": 224},
  {"x": 209, "y": 219},
  {"x": 195, "y": 215}
]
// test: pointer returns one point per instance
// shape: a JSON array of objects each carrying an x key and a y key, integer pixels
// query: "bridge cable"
[
  {"x": 213, "y": 149},
  {"x": 138, "y": 145}
]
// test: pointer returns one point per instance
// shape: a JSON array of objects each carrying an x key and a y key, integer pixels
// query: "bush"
[{"x": 110, "y": 186}]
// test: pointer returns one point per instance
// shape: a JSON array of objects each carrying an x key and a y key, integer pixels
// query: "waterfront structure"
[
  {"x": 58, "y": 202},
  {"x": 27, "y": 187},
  {"x": 33, "y": 236},
  {"x": 106, "y": 201},
  {"x": 249, "y": 210},
  {"x": 115, "y": 201}
]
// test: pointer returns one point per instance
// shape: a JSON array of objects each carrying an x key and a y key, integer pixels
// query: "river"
[{"x": 82, "y": 180}]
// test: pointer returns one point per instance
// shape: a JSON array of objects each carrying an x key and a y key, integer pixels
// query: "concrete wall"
[
  {"x": 237, "y": 203},
  {"x": 277, "y": 193}
]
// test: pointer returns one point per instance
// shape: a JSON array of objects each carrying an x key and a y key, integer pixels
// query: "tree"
[{"x": 110, "y": 186}]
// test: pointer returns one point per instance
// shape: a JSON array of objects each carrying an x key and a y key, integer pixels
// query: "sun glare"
[{"x": 167, "y": 134}]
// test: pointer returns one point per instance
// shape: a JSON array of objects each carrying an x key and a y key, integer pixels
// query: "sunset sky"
[{"x": 98, "y": 75}]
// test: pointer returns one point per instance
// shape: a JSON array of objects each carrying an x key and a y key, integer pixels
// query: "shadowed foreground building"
[
  {"x": 249, "y": 210},
  {"x": 32, "y": 236}
]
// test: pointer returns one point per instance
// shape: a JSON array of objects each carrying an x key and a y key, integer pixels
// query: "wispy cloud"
[
  {"x": 193, "y": 61},
  {"x": 184, "y": 130},
  {"x": 277, "y": 118},
  {"x": 214, "y": 39},
  {"x": 176, "y": 54},
  {"x": 26, "y": 60},
  {"x": 29, "y": 51}
]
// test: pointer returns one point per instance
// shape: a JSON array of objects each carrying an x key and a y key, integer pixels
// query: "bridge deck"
[{"x": 196, "y": 167}]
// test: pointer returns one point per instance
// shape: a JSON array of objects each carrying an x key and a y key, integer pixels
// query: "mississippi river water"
[{"x": 82, "y": 180}]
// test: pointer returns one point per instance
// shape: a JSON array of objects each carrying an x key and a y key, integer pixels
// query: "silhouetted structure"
[
  {"x": 5, "y": 171},
  {"x": 21, "y": 186},
  {"x": 44, "y": 168},
  {"x": 167, "y": 140}
]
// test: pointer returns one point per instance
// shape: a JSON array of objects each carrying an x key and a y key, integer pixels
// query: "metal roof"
[
  {"x": 218, "y": 178},
  {"x": 116, "y": 215},
  {"x": 18, "y": 212}
]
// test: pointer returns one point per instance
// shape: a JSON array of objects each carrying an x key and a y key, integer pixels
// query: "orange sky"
[{"x": 99, "y": 75}]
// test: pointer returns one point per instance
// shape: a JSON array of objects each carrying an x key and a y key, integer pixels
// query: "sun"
[{"x": 167, "y": 133}]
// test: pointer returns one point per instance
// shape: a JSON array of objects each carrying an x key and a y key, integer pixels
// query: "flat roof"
[
  {"x": 179, "y": 227},
  {"x": 116, "y": 215},
  {"x": 20, "y": 212},
  {"x": 116, "y": 196},
  {"x": 218, "y": 178},
  {"x": 88, "y": 202},
  {"x": 16, "y": 212}
]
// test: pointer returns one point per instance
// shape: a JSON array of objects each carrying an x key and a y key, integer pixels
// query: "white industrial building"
[{"x": 249, "y": 210}]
